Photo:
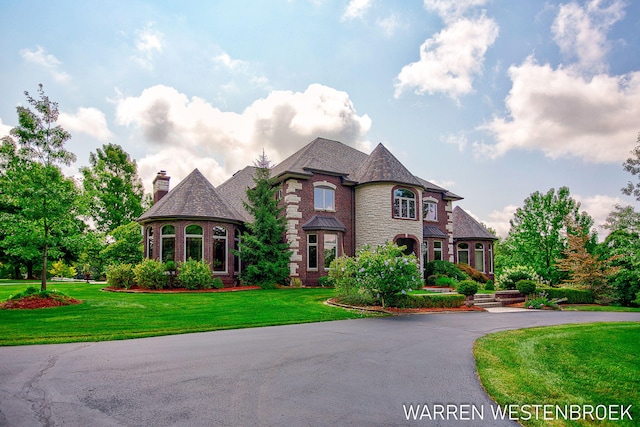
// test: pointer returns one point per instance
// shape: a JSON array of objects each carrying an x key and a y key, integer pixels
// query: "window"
[
  {"x": 430, "y": 211},
  {"x": 237, "y": 265},
  {"x": 490, "y": 258},
  {"x": 437, "y": 251},
  {"x": 150, "y": 242},
  {"x": 193, "y": 243},
  {"x": 312, "y": 251},
  {"x": 330, "y": 249},
  {"x": 220, "y": 249},
  {"x": 404, "y": 204},
  {"x": 324, "y": 198},
  {"x": 479, "y": 257},
  {"x": 168, "y": 243},
  {"x": 463, "y": 253}
]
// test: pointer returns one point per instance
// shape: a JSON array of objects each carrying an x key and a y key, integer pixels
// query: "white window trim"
[
  {"x": 415, "y": 201},
  {"x": 226, "y": 250},
  {"x": 201, "y": 236},
  {"x": 324, "y": 248},
  {"x": 162, "y": 237},
  {"x": 475, "y": 257},
  {"x": 317, "y": 246},
  {"x": 324, "y": 185},
  {"x": 433, "y": 201}
]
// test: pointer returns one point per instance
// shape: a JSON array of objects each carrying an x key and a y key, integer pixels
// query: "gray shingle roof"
[
  {"x": 324, "y": 223},
  {"x": 193, "y": 197},
  {"x": 382, "y": 166},
  {"x": 433, "y": 231},
  {"x": 321, "y": 155},
  {"x": 466, "y": 227},
  {"x": 234, "y": 190}
]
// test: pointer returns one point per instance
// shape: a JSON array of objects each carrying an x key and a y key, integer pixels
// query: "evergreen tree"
[{"x": 262, "y": 246}]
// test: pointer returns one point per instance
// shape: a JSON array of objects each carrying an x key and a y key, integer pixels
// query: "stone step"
[
  {"x": 507, "y": 301},
  {"x": 484, "y": 297},
  {"x": 487, "y": 304}
]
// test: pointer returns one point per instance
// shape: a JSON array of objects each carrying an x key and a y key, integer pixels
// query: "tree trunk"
[
  {"x": 16, "y": 272},
  {"x": 30, "y": 275},
  {"x": 43, "y": 285}
]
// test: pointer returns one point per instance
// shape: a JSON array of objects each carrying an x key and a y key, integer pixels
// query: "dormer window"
[
  {"x": 324, "y": 196},
  {"x": 404, "y": 203}
]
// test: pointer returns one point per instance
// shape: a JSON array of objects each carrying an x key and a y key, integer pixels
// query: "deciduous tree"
[{"x": 632, "y": 165}]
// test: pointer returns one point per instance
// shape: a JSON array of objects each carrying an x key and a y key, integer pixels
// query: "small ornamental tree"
[
  {"x": 262, "y": 246},
  {"x": 467, "y": 288}
]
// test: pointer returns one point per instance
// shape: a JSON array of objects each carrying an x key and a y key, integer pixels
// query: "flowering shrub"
[
  {"x": 195, "y": 274},
  {"x": 375, "y": 274},
  {"x": 510, "y": 276}
]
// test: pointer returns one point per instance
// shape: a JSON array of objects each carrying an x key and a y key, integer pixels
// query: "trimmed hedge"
[
  {"x": 427, "y": 301},
  {"x": 573, "y": 296}
]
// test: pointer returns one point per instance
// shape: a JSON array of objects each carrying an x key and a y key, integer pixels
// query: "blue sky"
[{"x": 492, "y": 99}]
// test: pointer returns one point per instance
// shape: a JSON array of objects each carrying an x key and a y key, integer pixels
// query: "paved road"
[{"x": 344, "y": 373}]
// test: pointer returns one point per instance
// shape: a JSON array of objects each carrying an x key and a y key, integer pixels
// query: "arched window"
[
  {"x": 463, "y": 253},
  {"x": 479, "y": 257},
  {"x": 237, "y": 265},
  {"x": 220, "y": 249},
  {"x": 404, "y": 203},
  {"x": 430, "y": 209},
  {"x": 193, "y": 242},
  {"x": 168, "y": 243},
  {"x": 324, "y": 198},
  {"x": 149, "y": 239}
]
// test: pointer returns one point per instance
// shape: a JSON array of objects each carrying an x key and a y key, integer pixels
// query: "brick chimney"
[{"x": 160, "y": 186}]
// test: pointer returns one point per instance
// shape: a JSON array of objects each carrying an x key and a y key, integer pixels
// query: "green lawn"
[
  {"x": 580, "y": 307},
  {"x": 590, "y": 364},
  {"x": 109, "y": 316}
]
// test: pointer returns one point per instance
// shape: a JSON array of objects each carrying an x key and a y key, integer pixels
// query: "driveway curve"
[{"x": 363, "y": 372}]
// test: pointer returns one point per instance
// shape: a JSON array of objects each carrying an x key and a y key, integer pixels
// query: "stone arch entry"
[{"x": 410, "y": 242}]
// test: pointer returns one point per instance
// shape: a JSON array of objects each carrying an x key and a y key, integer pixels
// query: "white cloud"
[
  {"x": 390, "y": 24},
  {"x": 598, "y": 207},
  {"x": 281, "y": 123},
  {"x": 356, "y": 9},
  {"x": 580, "y": 32},
  {"x": 459, "y": 139},
  {"x": 567, "y": 115},
  {"x": 48, "y": 62},
  {"x": 90, "y": 121},
  {"x": 450, "y": 59},
  {"x": 240, "y": 70},
  {"x": 148, "y": 42},
  {"x": 499, "y": 220},
  {"x": 4, "y": 129},
  {"x": 451, "y": 10}
]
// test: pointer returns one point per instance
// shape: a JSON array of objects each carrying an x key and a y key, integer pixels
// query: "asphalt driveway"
[{"x": 362, "y": 372}]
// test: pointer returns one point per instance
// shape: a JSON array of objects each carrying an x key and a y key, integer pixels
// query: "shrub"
[
  {"x": 526, "y": 287},
  {"x": 325, "y": 281},
  {"x": 573, "y": 296},
  {"x": 295, "y": 282},
  {"x": 489, "y": 286},
  {"x": 540, "y": 301},
  {"x": 445, "y": 282},
  {"x": 60, "y": 269},
  {"x": 217, "y": 283},
  {"x": 427, "y": 301},
  {"x": 444, "y": 268},
  {"x": 120, "y": 276},
  {"x": 194, "y": 274},
  {"x": 510, "y": 276},
  {"x": 476, "y": 275},
  {"x": 150, "y": 274},
  {"x": 467, "y": 288}
]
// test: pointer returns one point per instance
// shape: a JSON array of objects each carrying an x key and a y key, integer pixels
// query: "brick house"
[{"x": 335, "y": 199}]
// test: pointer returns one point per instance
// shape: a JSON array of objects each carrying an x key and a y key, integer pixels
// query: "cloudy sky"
[{"x": 492, "y": 99}]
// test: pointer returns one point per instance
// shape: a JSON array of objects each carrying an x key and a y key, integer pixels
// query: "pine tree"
[{"x": 262, "y": 246}]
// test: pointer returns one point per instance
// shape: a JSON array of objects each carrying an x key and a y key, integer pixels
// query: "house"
[{"x": 335, "y": 200}]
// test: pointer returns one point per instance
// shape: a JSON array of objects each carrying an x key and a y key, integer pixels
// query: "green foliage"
[
  {"x": 150, "y": 274},
  {"x": 489, "y": 286},
  {"x": 33, "y": 291},
  {"x": 511, "y": 276},
  {"x": 526, "y": 287},
  {"x": 120, "y": 276},
  {"x": 295, "y": 282},
  {"x": 444, "y": 281},
  {"x": 637, "y": 300},
  {"x": 60, "y": 269},
  {"x": 467, "y": 287},
  {"x": 217, "y": 283},
  {"x": 126, "y": 247},
  {"x": 113, "y": 190},
  {"x": 39, "y": 216},
  {"x": 538, "y": 232},
  {"x": 325, "y": 282},
  {"x": 375, "y": 274},
  {"x": 444, "y": 268},
  {"x": 262, "y": 246},
  {"x": 195, "y": 274},
  {"x": 541, "y": 300},
  {"x": 572, "y": 296},
  {"x": 632, "y": 165},
  {"x": 427, "y": 301},
  {"x": 474, "y": 274}
]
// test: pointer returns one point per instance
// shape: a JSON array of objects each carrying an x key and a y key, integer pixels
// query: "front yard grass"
[
  {"x": 106, "y": 316},
  {"x": 589, "y": 364}
]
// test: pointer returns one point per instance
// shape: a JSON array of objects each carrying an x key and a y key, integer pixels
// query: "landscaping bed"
[
  {"x": 36, "y": 301},
  {"x": 138, "y": 289}
]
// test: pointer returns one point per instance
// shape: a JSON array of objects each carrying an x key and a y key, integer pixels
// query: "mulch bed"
[
  {"x": 34, "y": 301},
  {"x": 137, "y": 289}
]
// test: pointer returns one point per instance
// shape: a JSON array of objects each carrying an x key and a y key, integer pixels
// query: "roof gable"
[
  {"x": 466, "y": 227},
  {"x": 382, "y": 166},
  {"x": 193, "y": 197}
]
